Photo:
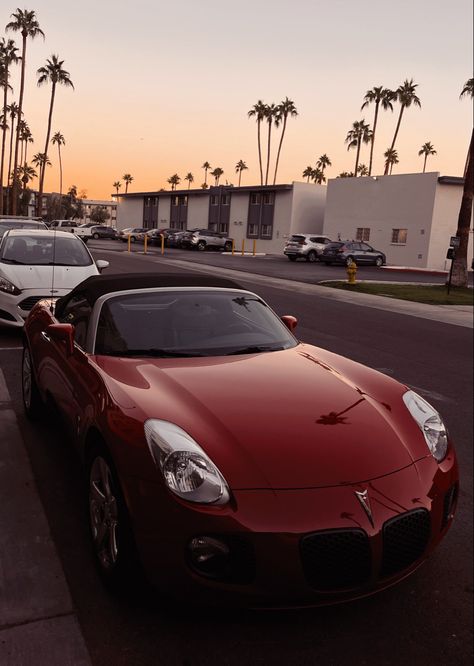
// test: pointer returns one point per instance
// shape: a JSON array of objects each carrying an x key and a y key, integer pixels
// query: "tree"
[
  {"x": 259, "y": 112},
  {"x": 217, "y": 173},
  {"x": 391, "y": 158},
  {"x": 459, "y": 273},
  {"x": 8, "y": 57},
  {"x": 117, "y": 185},
  {"x": 54, "y": 73},
  {"x": 24, "y": 22},
  {"x": 190, "y": 178},
  {"x": 58, "y": 139},
  {"x": 358, "y": 134},
  {"x": 308, "y": 173},
  {"x": 99, "y": 214},
  {"x": 206, "y": 166},
  {"x": 323, "y": 162},
  {"x": 426, "y": 149},
  {"x": 318, "y": 176},
  {"x": 346, "y": 174},
  {"x": 26, "y": 173},
  {"x": 378, "y": 96},
  {"x": 362, "y": 170},
  {"x": 285, "y": 108},
  {"x": 239, "y": 167},
  {"x": 174, "y": 181},
  {"x": 272, "y": 116},
  {"x": 127, "y": 179},
  {"x": 13, "y": 110},
  {"x": 406, "y": 96}
]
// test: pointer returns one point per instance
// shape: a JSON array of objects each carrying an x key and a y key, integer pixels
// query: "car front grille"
[
  {"x": 341, "y": 559},
  {"x": 6, "y": 316},
  {"x": 28, "y": 303}
]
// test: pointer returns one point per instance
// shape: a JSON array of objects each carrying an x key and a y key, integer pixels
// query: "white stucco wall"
[
  {"x": 382, "y": 204},
  {"x": 129, "y": 213},
  {"x": 308, "y": 206},
  {"x": 239, "y": 210},
  {"x": 163, "y": 219},
  {"x": 198, "y": 211},
  {"x": 445, "y": 223}
]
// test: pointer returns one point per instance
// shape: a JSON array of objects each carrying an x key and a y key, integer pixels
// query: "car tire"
[
  {"x": 32, "y": 402},
  {"x": 379, "y": 262},
  {"x": 201, "y": 246},
  {"x": 110, "y": 528},
  {"x": 133, "y": 239},
  {"x": 95, "y": 236},
  {"x": 349, "y": 260},
  {"x": 228, "y": 246},
  {"x": 292, "y": 258},
  {"x": 312, "y": 256}
]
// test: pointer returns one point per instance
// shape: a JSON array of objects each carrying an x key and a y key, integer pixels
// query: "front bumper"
[
  {"x": 296, "y": 548},
  {"x": 15, "y": 309}
]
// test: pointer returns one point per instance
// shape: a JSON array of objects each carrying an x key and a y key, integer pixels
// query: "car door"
[{"x": 368, "y": 253}]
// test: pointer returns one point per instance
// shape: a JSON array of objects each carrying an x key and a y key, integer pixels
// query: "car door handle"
[{"x": 45, "y": 336}]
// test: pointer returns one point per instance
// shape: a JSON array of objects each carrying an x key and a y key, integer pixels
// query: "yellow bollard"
[
  {"x": 145, "y": 244},
  {"x": 351, "y": 271},
  {"x": 162, "y": 243},
  {"x": 129, "y": 241},
  {"x": 254, "y": 248},
  {"x": 233, "y": 247},
  {"x": 243, "y": 246}
]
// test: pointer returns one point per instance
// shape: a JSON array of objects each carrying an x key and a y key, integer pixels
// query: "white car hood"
[{"x": 41, "y": 277}]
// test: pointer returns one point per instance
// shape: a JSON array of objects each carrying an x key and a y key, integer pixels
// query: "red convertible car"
[{"x": 225, "y": 458}]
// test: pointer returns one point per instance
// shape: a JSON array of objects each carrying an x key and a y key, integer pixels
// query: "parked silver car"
[
  {"x": 201, "y": 239},
  {"x": 305, "y": 246}
]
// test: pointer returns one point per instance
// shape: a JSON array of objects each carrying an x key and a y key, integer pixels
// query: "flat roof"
[{"x": 210, "y": 190}]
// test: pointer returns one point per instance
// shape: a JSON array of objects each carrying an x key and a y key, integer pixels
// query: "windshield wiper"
[
  {"x": 253, "y": 350},
  {"x": 158, "y": 353}
]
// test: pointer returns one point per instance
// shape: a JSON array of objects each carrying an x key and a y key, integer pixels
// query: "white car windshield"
[
  {"x": 45, "y": 250},
  {"x": 197, "y": 323}
]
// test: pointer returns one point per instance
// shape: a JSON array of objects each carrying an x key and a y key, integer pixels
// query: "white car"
[{"x": 37, "y": 264}]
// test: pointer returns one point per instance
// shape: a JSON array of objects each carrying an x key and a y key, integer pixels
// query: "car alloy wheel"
[
  {"x": 201, "y": 246},
  {"x": 95, "y": 236},
  {"x": 311, "y": 256},
  {"x": 32, "y": 402},
  {"x": 132, "y": 239},
  {"x": 228, "y": 247},
  {"x": 379, "y": 262}
]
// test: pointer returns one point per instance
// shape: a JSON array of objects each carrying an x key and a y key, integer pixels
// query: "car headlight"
[
  {"x": 187, "y": 470},
  {"x": 9, "y": 287},
  {"x": 430, "y": 423}
]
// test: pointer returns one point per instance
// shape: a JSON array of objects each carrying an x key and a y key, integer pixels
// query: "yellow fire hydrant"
[{"x": 351, "y": 271}]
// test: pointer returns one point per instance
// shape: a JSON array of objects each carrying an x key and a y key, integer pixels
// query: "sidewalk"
[{"x": 38, "y": 626}]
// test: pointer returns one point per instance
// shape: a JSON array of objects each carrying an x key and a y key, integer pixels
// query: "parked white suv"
[{"x": 305, "y": 246}]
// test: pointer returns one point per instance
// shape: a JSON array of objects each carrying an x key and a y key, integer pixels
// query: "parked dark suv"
[{"x": 344, "y": 252}]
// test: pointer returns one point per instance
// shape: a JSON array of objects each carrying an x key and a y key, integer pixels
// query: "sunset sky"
[{"x": 161, "y": 88}]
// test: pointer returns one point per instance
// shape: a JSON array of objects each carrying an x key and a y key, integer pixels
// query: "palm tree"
[
  {"x": 13, "y": 110},
  {"x": 239, "y": 167},
  {"x": 8, "y": 56},
  {"x": 217, "y": 173},
  {"x": 53, "y": 73},
  {"x": 346, "y": 174},
  {"x": 174, "y": 181},
  {"x": 378, "y": 96},
  {"x": 58, "y": 139},
  {"x": 358, "y": 134},
  {"x": 26, "y": 173},
  {"x": 308, "y": 173},
  {"x": 205, "y": 166},
  {"x": 459, "y": 272},
  {"x": 41, "y": 160},
  {"x": 318, "y": 176},
  {"x": 272, "y": 116},
  {"x": 259, "y": 111},
  {"x": 406, "y": 96},
  {"x": 362, "y": 170},
  {"x": 391, "y": 158},
  {"x": 190, "y": 178},
  {"x": 127, "y": 179},
  {"x": 426, "y": 149},
  {"x": 285, "y": 108},
  {"x": 117, "y": 185},
  {"x": 27, "y": 138},
  {"x": 323, "y": 162},
  {"x": 24, "y": 22}
]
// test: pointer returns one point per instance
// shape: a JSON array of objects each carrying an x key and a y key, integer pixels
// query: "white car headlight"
[
  {"x": 430, "y": 423},
  {"x": 8, "y": 287},
  {"x": 187, "y": 470}
]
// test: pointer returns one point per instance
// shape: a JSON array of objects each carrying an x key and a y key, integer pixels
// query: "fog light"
[{"x": 209, "y": 556}]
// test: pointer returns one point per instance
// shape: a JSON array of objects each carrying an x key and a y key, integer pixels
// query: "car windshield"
[
  {"x": 5, "y": 226},
  {"x": 45, "y": 251},
  {"x": 166, "y": 324},
  {"x": 297, "y": 239}
]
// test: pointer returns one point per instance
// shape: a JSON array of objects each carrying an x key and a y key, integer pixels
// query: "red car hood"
[{"x": 298, "y": 418}]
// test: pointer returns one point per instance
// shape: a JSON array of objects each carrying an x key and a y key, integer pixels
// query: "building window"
[
  {"x": 266, "y": 231},
  {"x": 223, "y": 227},
  {"x": 183, "y": 201},
  {"x": 253, "y": 230},
  {"x": 363, "y": 234},
  {"x": 399, "y": 236},
  {"x": 214, "y": 200},
  {"x": 174, "y": 201},
  {"x": 147, "y": 202},
  {"x": 268, "y": 198},
  {"x": 255, "y": 199},
  {"x": 225, "y": 200}
]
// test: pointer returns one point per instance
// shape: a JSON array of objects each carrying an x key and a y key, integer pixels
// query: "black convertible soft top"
[{"x": 96, "y": 286}]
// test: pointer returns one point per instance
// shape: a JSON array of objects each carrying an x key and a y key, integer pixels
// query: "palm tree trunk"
[
  {"x": 459, "y": 274},
  {"x": 268, "y": 151},
  {"x": 205, "y": 176},
  {"x": 4, "y": 136},
  {"x": 60, "y": 172},
  {"x": 259, "y": 151},
  {"x": 43, "y": 166},
  {"x": 279, "y": 149},
  {"x": 395, "y": 135},
  {"x": 240, "y": 176},
  {"x": 373, "y": 137},
  {"x": 424, "y": 163},
  {"x": 20, "y": 109},
  {"x": 11, "y": 151},
  {"x": 357, "y": 157}
]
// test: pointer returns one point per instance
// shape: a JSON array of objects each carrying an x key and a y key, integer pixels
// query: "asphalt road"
[{"x": 426, "y": 619}]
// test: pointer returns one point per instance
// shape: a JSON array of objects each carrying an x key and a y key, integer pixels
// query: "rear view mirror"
[
  {"x": 290, "y": 322},
  {"x": 101, "y": 264},
  {"x": 62, "y": 333}
]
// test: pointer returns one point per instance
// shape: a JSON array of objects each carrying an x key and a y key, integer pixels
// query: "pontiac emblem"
[{"x": 363, "y": 497}]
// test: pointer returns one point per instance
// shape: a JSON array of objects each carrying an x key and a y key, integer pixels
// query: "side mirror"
[
  {"x": 62, "y": 333},
  {"x": 101, "y": 264},
  {"x": 290, "y": 322}
]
